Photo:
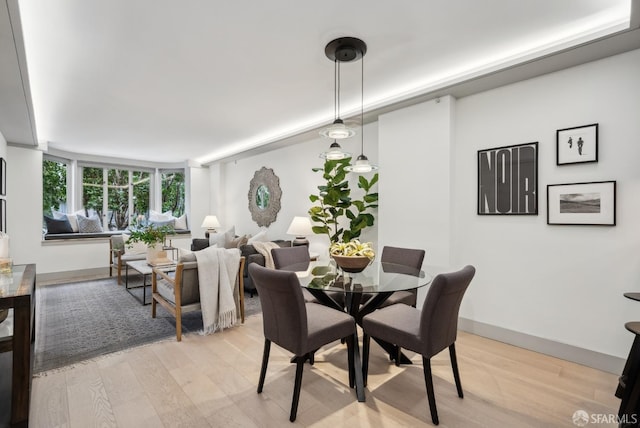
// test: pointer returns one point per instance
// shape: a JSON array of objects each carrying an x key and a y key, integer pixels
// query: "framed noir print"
[
  {"x": 582, "y": 203},
  {"x": 508, "y": 180},
  {"x": 577, "y": 145}
]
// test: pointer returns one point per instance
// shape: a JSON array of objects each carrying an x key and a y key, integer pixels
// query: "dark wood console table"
[{"x": 17, "y": 292}]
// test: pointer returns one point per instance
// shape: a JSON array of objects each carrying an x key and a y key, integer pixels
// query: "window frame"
[{"x": 75, "y": 186}]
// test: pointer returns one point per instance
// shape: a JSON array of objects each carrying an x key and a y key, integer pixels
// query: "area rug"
[{"x": 83, "y": 320}]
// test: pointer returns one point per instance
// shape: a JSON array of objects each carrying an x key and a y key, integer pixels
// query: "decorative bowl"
[{"x": 352, "y": 264}]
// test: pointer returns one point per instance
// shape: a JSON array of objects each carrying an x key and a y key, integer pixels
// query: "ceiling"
[{"x": 166, "y": 81}]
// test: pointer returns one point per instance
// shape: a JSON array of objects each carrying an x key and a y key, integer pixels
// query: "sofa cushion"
[
  {"x": 180, "y": 223},
  {"x": 156, "y": 216},
  {"x": 259, "y": 237},
  {"x": 160, "y": 223},
  {"x": 89, "y": 224},
  {"x": 198, "y": 244},
  {"x": 237, "y": 242},
  {"x": 72, "y": 217},
  {"x": 222, "y": 239},
  {"x": 56, "y": 226}
]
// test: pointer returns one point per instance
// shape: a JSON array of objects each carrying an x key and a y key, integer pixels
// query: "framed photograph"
[
  {"x": 508, "y": 180},
  {"x": 3, "y": 215},
  {"x": 3, "y": 177},
  {"x": 577, "y": 145},
  {"x": 582, "y": 203}
]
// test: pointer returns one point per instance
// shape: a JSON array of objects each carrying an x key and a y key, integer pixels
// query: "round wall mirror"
[{"x": 264, "y": 196}]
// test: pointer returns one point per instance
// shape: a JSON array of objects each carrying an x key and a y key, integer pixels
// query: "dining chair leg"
[
  {"x": 398, "y": 355},
  {"x": 312, "y": 357},
  {"x": 454, "y": 366},
  {"x": 265, "y": 360},
  {"x": 428, "y": 380},
  {"x": 352, "y": 381},
  {"x": 296, "y": 388},
  {"x": 366, "y": 343}
]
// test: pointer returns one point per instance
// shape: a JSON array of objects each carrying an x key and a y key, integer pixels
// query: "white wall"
[
  {"x": 293, "y": 166},
  {"x": 199, "y": 197},
  {"x": 563, "y": 283},
  {"x": 415, "y": 195}
]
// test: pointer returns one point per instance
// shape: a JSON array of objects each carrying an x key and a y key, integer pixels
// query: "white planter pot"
[{"x": 156, "y": 252}]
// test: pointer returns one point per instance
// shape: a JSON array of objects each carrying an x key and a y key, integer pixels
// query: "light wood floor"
[{"x": 211, "y": 382}]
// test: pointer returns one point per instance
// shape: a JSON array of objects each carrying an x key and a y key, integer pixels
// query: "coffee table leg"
[{"x": 144, "y": 289}]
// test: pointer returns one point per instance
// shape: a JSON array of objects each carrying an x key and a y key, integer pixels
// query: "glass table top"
[{"x": 376, "y": 278}]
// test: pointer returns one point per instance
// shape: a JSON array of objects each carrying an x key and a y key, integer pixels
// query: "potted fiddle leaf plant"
[{"x": 336, "y": 213}]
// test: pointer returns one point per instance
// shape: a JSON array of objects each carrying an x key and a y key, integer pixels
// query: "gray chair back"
[
  {"x": 402, "y": 256},
  {"x": 291, "y": 258},
  {"x": 439, "y": 317},
  {"x": 284, "y": 315}
]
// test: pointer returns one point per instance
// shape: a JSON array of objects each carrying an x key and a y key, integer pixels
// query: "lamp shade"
[
  {"x": 210, "y": 222},
  {"x": 300, "y": 227}
]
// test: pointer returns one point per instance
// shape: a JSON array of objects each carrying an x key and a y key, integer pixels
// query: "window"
[
  {"x": 117, "y": 195},
  {"x": 173, "y": 194},
  {"x": 92, "y": 191},
  {"x": 54, "y": 186},
  {"x": 125, "y": 192},
  {"x": 141, "y": 183}
]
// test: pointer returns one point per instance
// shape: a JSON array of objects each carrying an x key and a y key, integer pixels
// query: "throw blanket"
[
  {"x": 217, "y": 273},
  {"x": 264, "y": 248}
]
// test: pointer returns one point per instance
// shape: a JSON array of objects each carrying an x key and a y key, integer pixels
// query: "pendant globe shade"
[{"x": 335, "y": 152}]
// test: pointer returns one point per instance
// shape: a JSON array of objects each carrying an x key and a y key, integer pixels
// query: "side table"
[
  {"x": 17, "y": 292},
  {"x": 628, "y": 390}
]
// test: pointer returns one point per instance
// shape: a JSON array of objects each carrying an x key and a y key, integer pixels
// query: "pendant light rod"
[
  {"x": 343, "y": 49},
  {"x": 361, "y": 165}
]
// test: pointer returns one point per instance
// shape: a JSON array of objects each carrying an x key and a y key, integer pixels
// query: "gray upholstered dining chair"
[
  {"x": 408, "y": 257},
  {"x": 296, "y": 326},
  {"x": 393, "y": 258},
  {"x": 427, "y": 331},
  {"x": 294, "y": 259},
  {"x": 291, "y": 258}
]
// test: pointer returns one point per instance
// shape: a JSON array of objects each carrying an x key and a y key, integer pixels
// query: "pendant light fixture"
[
  {"x": 337, "y": 130},
  {"x": 362, "y": 164}
]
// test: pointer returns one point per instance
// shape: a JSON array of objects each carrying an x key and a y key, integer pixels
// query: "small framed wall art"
[
  {"x": 577, "y": 145},
  {"x": 591, "y": 204},
  {"x": 508, "y": 180}
]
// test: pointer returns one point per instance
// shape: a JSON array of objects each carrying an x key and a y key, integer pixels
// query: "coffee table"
[{"x": 144, "y": 269}]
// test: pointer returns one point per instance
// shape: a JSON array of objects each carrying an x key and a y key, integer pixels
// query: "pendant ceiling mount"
[{"x": 345, "y": 49}]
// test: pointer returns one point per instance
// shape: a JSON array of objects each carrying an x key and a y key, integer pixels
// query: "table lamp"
[
  {"x": 300, "y": 227},
  {"x": 210, "y": 223}
]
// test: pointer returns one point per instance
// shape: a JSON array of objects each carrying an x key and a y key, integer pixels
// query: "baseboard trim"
[
  {"x": 597, "y": 360},
  {"x": 71, "y": 275}
]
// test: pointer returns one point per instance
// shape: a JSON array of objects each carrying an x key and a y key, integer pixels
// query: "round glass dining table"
[{"x": 360, "y": 294}]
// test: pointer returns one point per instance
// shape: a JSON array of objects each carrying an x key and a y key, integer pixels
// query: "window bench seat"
[{"x": 107, "y": 234}]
